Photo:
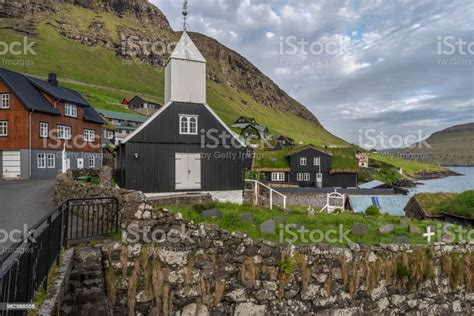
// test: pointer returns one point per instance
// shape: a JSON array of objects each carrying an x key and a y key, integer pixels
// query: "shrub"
[
  {"x": 338, "y": 211},
  {"x": 230, "y": 219},
  {"x": 402, "y": 270},
  {"x": 373, "y": 211},
  {"x": 203, "y": 207}
]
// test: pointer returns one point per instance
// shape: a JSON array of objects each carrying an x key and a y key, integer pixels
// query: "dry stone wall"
[
  {"x": 165, "y": 265},
  {"x": 203, "y": 270}
]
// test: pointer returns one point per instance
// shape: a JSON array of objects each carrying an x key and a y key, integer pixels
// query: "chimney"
[{"x": 53, "y": 79}]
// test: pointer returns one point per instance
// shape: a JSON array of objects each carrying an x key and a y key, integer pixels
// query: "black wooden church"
[{"x": 185, "y": 146}]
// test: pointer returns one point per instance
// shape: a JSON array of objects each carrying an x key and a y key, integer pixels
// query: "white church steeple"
[{"x": 185, "y": 72}]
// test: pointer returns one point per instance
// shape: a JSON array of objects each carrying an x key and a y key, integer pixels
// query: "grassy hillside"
[
  {"x": 452, "y": 146},
  {"x": 409, "y": 167},
  {"x": 105, "y": 77}
]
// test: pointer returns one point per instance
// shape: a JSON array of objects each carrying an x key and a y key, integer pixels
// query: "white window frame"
[
  {"x": 188, "y": 124},
  {"x": 64, "y": 131},
  {"x": 3, "y": 128},
  {"x": 299, "y": 176},
  {"x": 50, "y": 161},
  {"x": 41, "y": 161},
  {"x": 89, "y": 135},
  {"x": 278, "y": 176},
  {"x": 307, "y": 177},
  {"x": 91, "y": 161},
  {"x": 44, "y": 129},
  {"x": 303, "y": 161},
  {"x": 70, "y": 110},
  {"x": 5, "y": 101},
  {"x": 109, "y": 134},
  {"x": 317, "y": 161}
]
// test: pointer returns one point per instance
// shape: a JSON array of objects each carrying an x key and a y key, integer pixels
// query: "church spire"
[
  {"x": 185, "y": 72},
  {"x": 185, "y": 15}
]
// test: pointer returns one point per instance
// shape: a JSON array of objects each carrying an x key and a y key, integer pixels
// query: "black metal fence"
[{"x": 25, "y": 264}]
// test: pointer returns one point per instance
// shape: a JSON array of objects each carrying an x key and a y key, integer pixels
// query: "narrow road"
[{"x": 23, "y": 203}]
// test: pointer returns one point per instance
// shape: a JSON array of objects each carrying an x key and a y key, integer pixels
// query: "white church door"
[{"x": 188, "y": 171}]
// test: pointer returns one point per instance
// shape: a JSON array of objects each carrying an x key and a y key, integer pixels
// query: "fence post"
[
  {"x": 284, "y": 202},
  {"x": 256, "y": 193},
  {"x": 48, "y": 257},
  {"x": 271, "y": 199}
]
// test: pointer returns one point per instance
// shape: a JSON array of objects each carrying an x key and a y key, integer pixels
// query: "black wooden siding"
[
  {"x": 310, "y": 154},
  {"x": 147, "y": 161},
  {"x": 339, "y": 180},
  {"x": 343, "y": 180}
]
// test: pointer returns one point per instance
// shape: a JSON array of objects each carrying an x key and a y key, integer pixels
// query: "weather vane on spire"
[{"x": 185, "y": 15}]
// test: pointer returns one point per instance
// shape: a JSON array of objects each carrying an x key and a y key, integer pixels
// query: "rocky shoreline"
[
  {"x": 431, "y": 175},
  {"x": 414, "y": 181}
]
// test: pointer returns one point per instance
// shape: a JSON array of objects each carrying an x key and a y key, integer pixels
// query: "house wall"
[
  {"x": 155, "y": 170},
  {"x": 51, "y": 173},
  {"x": 18, "y": 127},
  {"x": 157, "y": 144},
  {"x": 17, "y": 118},
  {"x": 250, "y": 132},
  {"x": 268, "y": 177},
  {"x": 310, "y": 154},
  {"x": 343, "y": 180}
]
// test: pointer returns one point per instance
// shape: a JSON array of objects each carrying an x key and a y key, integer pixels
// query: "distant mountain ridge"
[
  {"x": 235, "y": 86},
  {"x": 453, "y": 146}
]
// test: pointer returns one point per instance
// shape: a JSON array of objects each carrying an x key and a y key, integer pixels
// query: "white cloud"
[{"x": 386, "y": 74}]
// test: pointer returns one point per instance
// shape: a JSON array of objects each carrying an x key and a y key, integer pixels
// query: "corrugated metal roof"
[
  {"x": 123, "y": 116},
  {"x": 389, "y": 204},
  {"x": 371, "y": 185}
]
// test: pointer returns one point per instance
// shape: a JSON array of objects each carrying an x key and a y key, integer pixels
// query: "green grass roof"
[
  {"x": 448, "y": 203},
  {"x": 343, "y": 159}
]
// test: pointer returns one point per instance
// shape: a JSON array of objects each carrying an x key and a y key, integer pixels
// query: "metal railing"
[
  {"x": 271, "y": 190},
  {"x": 25, "y": 264}
]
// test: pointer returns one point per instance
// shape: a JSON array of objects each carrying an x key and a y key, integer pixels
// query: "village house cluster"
[{"x": 180, "y": 146}]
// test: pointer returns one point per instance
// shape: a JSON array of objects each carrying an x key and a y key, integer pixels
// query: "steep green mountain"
[
  {"x": 453, "y": 146},
  {"x": 111, "y": 49}
]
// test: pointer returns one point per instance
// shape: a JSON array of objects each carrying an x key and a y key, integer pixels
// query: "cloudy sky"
[{"x": 389, "y": 65}]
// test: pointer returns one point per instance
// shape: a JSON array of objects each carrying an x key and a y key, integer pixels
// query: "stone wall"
[
  {"x": 317, "y": 200},
  {"x": 66, "y": 188},
  {"x": 202, "y": 270}
]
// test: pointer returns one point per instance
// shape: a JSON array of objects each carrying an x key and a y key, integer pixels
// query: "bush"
[
  {"x": 203, "y": 207},
  {"x": 230, "y": 219},
  {"x": 373, "y": 211}
]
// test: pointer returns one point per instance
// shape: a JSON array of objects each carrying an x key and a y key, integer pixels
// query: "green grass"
[
  {"x": 323, "y": 222},
  {"x": 42, "y": 294},
  {"x": 410, "y": 168},
  {"x": 97, "y": 65},
  {"x": 450, "y": 203},
  {"x": 343, "y": 159}
]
